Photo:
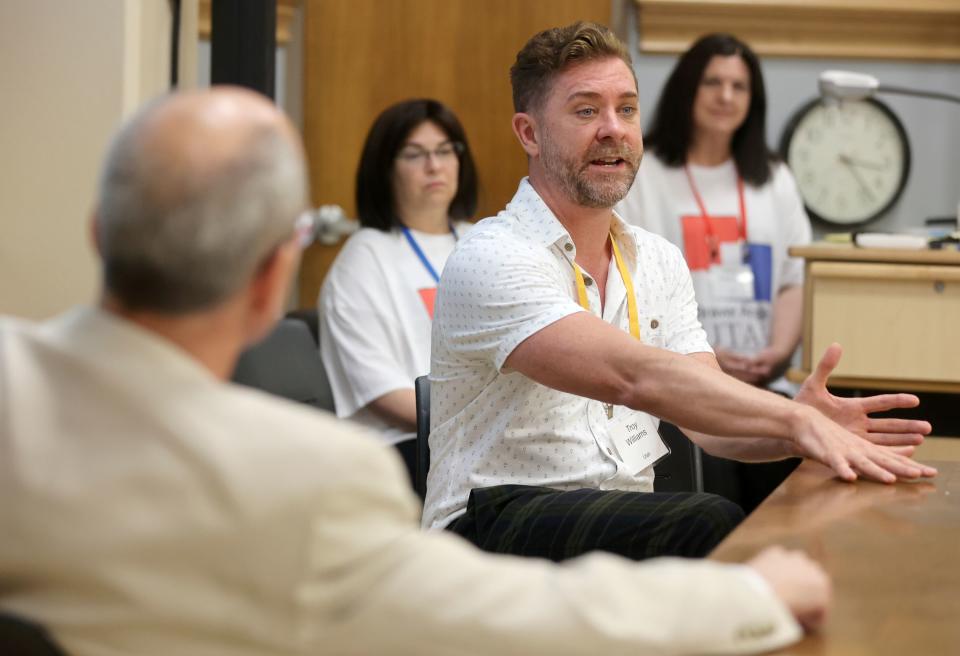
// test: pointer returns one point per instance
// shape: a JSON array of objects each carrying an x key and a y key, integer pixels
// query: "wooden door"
[{"x": 363, "y": 55}]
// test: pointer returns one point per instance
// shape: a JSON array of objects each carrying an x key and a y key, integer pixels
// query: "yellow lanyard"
[{"x": 627, "y": 283}]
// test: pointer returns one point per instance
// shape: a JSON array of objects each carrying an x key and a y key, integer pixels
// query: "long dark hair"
[
  {"x": 375, "y": 202},
  {"x": 671, "y": 129}
]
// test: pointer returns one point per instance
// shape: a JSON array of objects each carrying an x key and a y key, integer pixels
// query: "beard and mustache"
[{"x": 572, "y": 173}]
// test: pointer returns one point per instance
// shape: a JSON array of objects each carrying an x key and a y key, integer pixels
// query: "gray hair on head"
[{"x": 180, "y": 231}]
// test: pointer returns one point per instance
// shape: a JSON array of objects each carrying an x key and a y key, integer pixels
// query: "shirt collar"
[
  {"x": 96, "y": 331},
  {"x": 535, "y": 218},
  {"x": 542, "y": 226}
]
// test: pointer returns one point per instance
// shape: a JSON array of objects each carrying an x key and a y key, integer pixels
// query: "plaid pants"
[{"x": 526, "y": 520}]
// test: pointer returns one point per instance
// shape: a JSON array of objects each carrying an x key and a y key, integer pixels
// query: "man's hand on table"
[{"x": 882, "y": 453}]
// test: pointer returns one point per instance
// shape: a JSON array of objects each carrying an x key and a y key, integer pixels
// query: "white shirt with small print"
[{"x": 511, "y": 276}]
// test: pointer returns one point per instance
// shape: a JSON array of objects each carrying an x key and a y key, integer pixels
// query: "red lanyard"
[{"x": 708, "y": 226}]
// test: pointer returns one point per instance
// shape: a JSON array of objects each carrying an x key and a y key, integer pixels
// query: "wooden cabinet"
[{"x": 896, "y": 314}]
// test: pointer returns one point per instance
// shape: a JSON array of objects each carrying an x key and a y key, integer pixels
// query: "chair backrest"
[
  {"x": 308, "y": 316},
  {"x": 682, "y": 470},
  {"x": 422, "y": 389},
  {"x": 287, "y": 363},
  {"x": 24, "y": 638}
]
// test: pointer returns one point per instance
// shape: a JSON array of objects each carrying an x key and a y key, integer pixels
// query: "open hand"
[
  {"x": 848, "y": 454},
  {"x": 854, "y": 413}
]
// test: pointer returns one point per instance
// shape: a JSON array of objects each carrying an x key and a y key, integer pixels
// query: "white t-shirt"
[
  {"x": 662, "y": 201},
  {"x": 375, "y": 316},
  {"x": 508, "y": 279}
]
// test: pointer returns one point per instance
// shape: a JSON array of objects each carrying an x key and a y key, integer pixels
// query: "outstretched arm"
[
  {"x": 851, "y": 413},
  {"x": 583, "y": 355},
  {"x": 744, "y": 449}
]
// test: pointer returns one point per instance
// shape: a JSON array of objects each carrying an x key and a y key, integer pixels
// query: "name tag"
[
  {"x": 637, "y": 439},
  {"x": 730, "y": 284},
  {"x": 732, "y": 280}
]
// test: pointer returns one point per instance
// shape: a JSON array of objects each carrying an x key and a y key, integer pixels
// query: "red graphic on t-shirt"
[
  {"x": 428, "y": 295},
  {"x": 696, "y": 245}
]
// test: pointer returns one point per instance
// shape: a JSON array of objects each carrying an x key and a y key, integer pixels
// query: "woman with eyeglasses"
[
  {"x": 710, "y": 185},
  {"x": 416, "y": 187}
]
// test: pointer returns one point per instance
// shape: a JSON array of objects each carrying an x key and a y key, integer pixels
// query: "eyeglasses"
[
  {"x": 305, "y": 228},
  {"x": 304, "y": 231},
  {"x": 445, "y": 153}
]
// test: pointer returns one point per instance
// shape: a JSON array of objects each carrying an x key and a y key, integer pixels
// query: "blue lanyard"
[{"x": 423, "y": 258}]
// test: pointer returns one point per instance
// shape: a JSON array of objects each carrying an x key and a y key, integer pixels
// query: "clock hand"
[{"x": 846, "y": 161}]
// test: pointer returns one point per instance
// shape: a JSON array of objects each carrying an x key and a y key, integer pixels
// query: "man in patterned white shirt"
[{"x": 562, "y": 333}]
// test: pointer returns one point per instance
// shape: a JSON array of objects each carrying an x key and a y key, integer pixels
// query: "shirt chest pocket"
[{"x": 652, "y": 329}]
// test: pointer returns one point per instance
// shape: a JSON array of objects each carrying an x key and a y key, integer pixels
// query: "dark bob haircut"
[
  {"x": 671, "y": 130},
  {"x": 375, "y": 202}
]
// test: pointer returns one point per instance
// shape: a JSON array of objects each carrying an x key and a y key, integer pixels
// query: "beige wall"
[{"x": 70, "y": 72}]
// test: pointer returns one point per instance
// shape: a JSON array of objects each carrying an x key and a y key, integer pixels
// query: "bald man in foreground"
[{"x": 151, "y": 508}]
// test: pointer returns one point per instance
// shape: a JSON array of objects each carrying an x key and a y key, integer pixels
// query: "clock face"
[{"x": 850, "y": 159}]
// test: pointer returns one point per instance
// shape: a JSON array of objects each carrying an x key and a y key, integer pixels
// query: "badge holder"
[
  {"x": 636, "y": 436},
  {"x": 732, "y": 279}
]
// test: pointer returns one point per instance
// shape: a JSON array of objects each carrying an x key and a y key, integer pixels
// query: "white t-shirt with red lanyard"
[
  {"x": 376, "y": 309},
  {"x": 706, "y": 211}
]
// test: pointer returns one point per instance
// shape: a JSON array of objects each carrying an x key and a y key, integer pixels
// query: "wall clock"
[{"x": 850, "y": 159}]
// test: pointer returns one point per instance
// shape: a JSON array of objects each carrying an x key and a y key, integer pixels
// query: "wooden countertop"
[
  {"x": 850, "y": 253},
  {"x": 893, "y": 552}
]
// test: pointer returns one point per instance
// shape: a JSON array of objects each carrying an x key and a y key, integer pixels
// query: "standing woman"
[
  {"x": 710, "y": 185},
  {"x": 416, "y": 186}
]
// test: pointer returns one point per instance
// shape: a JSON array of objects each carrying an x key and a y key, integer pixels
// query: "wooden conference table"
[{"x": 893, "y": 552}]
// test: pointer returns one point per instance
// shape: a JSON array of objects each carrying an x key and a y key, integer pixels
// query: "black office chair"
[
  {"x": 308, "y": 316},
  {"x": 287, "y": 363},
  {"x": 21, "y": 637},
  {"x": 421, "y": 388},
  {"x": 682, "y": 470}
]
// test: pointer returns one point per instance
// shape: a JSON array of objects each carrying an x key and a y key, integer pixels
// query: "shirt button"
[
  {"x": 587, "y": 282},
  {"x": 568, "y": 247},
  {"x": 654, "y": 324}
]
